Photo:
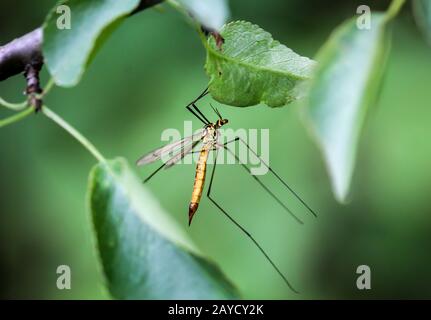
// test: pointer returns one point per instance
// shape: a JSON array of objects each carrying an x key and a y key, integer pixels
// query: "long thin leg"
[
  {"x": 154, "y": 173},
  {"x": 194, "y": 113},
  {"x": 203, "y": 94},
  {"x": 265, "y": 187},
  {"x": 243, "y": 229},
  {"x": 199, "y": 114},
  {"x": 204, "y": 120},
  {"x": 164, "y": 164},
  {"x": 198, "y": 111},
  {"x": 275, "y": 174}
]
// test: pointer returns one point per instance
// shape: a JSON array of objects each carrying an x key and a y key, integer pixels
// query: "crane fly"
[{"x": 209, "y": 137}]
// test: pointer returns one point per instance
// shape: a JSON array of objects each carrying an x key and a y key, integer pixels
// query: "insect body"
[{"x": 210, "y": 141}]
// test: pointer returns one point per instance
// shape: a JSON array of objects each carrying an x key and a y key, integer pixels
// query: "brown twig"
[
  {"x": 17, "y": 55},
  {"x": 33, "y": 89},
  {"x": 217, "y": 36}
]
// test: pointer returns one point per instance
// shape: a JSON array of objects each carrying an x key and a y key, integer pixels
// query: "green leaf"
[
  {"x": 144, "y": 254},
  {"x": 67, "y": 52},
  {"x": 422, "y": 13},
  {"x": 212, "y": 14},
  {"x": 252, "y": 68},
  {"x": 346, "y": 83}
]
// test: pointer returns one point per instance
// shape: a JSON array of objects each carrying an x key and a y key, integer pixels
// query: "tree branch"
[
  {"x": 17, "y": 54},
  {"x": 26, "y": 51}
]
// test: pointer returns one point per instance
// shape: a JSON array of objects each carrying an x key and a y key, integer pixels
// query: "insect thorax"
[{"x": 210, "y": 136}]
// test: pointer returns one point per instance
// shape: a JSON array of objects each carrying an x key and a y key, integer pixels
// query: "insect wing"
[
  {"x": 180, "y": 155},
  {"x": 158, "y": 153}
]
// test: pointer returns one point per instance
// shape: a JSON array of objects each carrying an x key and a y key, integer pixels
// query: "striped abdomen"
[{"x": 199, "y": 183}]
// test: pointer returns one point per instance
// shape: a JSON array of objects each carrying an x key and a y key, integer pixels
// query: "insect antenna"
[{"x": 216, "y": 111}]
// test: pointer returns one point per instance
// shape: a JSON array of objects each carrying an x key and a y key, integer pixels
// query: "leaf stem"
[
  {"x": 16, "y": 117},
  {"x": 176, "y": 5},
  {"x": 22, "y": 105},
  {"x": 203, "y": 39},
  {"x": 196, "y": 25},
  {"x": 13, "y": 106},
  {"x": 49, "y": 85},
  {"x": 394, "y": 8},
  {"x": 74, "y": 133}
]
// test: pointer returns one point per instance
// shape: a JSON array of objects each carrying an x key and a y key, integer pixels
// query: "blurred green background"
[{"x": 139, "y": 84}]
